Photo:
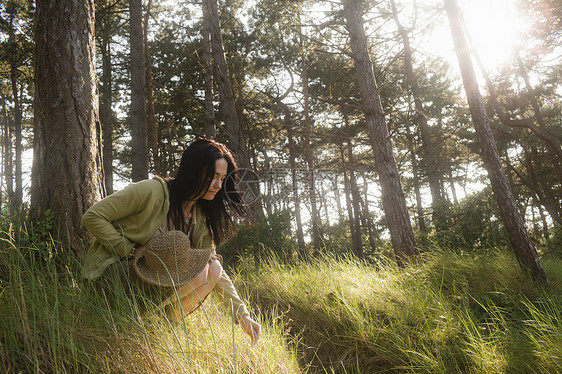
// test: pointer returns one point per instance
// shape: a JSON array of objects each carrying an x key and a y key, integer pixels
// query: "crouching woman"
[{"x": 162, "y": 233}]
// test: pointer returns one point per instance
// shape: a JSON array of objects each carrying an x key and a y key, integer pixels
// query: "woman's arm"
[
  {"x": 224, "y": 290},
  {"x": 227, "y": 295},
  {"x": 100, "y": 218}
]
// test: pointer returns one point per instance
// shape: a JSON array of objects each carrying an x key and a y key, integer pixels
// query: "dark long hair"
[{"x": 193, "y": 178}]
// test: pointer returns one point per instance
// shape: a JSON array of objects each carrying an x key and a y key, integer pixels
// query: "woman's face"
[{"x": 221, "y": 167}]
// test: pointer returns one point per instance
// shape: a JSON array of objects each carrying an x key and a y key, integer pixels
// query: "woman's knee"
[{"x": 215, "y": 271}]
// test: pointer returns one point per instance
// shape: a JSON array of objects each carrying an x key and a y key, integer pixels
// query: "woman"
[{"x": 195, "y": 203}]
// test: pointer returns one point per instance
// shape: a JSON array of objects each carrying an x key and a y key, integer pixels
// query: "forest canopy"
[
  {"x": 401, "y": 161},
  {"x": 353, "y": 116}
]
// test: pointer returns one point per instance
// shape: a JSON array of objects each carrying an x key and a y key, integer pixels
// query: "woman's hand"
[{"x": 250, "y": 327}]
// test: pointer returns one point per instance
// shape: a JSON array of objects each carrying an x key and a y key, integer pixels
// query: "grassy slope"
[
  {"x": 450, "y": 313},
  {"x": 53, "y": 321}
]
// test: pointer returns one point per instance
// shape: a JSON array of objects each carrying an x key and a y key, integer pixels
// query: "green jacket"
[
  {"x": 123, "y": 220},
  {"x": 129, "y": 218}
]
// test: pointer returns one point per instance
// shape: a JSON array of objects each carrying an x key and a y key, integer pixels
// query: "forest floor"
[{"x": 448, "y": 313}]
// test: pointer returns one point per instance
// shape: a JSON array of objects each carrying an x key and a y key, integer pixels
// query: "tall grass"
[
  {"x": 53, "y": 321},
  {"x": 450, "y": 313}
]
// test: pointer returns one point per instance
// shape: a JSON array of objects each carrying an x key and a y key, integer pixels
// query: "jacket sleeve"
[
  {"x": 224, "y": 290},
  {"x": 101, "y": 218},
  {"x": 226, "y": 293}
]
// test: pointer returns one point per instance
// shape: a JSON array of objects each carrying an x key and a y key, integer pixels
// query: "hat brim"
[{"x": 172, "y": 276}]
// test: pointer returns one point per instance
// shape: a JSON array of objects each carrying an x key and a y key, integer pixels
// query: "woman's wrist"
[{"x": 243, "y": 316}]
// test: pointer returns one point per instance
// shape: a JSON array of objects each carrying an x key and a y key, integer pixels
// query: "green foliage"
[
  {"x": 270, "y": 236},
  {"x": 31, "y": 237},
  {"x": 475, "y": 224},
  {"x": 553, "y": 245},
  {"x": 450, "y": 313},
  {"x": 337, "y": 239},
  {"x": 54, "y": 321},
  {"x": 545, "y": 332}
]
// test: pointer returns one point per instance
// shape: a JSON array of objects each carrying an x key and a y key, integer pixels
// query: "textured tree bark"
[
  {"x": 7, "y": 169},
  {"x": 355, "y": 197},
  {"x": 288, "y": 124},
  {"x": 151, "y": 124},
  {"x": 16, "y": 201},
  {"x": 416, "y": 180},
  {"x": 541, "y": 131},
  {"x": 67, "y": 167},
  {"x": 394, "y": 203},
  {"x": 552, "y": 142},
  {"x": 348, "y": 202},
  {"x": 433, "y": 175},
  {"x": 515, "y": 227},
  {"x": 371, "y": 228},
  {"x": 226, "y": 92},
  {"x": 210, "y": 129},
  {"x": 18, "y": 193},
  {"x": 309, "y": 157},
  {"x": 7, "y": 155},
  {"x": 139, "y": 142},
  {"x": 106, "y": 113}
]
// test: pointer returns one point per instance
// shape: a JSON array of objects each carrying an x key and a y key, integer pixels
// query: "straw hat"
[{"x": 169, "y": 260}]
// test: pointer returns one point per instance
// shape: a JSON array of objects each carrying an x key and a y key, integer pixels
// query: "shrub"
[
  {"x": 272, "y": 235},
  {"x": 475, "y": 224}
]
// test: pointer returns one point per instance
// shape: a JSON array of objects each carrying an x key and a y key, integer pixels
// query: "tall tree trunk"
[
  {"x": 452, "y": 185},
  {"x": 355, "y": 197},
  {"x": 545, "y": 233},
  {"x": 18, "y": 193},
  {"x": 168, "y": 155},
  {"x": 450, "y": 178},
  {"x": 309, "y": 155},
  {"x": 269, "y": 181},
  {"x": 210, "y": 129},
  {"x": 324, "y": 203},
  {"x": 67, "y": 177},
  {"x": 336, "y": 189},
  {"x": 139, "y": 143},
  {"x": 288, "y": 124},
  {"x": 4, "y": 144},
  {"x": 415, "y": 177},
  {"x": 2, "y": 154},
  {"x": 226, "y": 92},
  {"x": 106, "y": 111},
  {"x": 249, "y": 142},
  {"x": 518, "y": 235},
  {"x": 372, "y": 230},
  {"x": 151, "y": 124},
  {"x": 542, "y": 190},
  {"x": 348, "y": 202},
  {"x": 7, "y": 155},
  {"x": 552, "y": 142},
  {"x": 438, "y": 206},
  {"x": 355, "y": 202},
  {"x": 394, "y": 203}
]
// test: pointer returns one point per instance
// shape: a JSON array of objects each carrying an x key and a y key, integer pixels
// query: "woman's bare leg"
[{"x": 193, "y": 292}]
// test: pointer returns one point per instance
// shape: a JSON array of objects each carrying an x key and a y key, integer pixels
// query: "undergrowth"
[
  {"x": 448, "y": 313},
  {"x": 54, "y": 321}
]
